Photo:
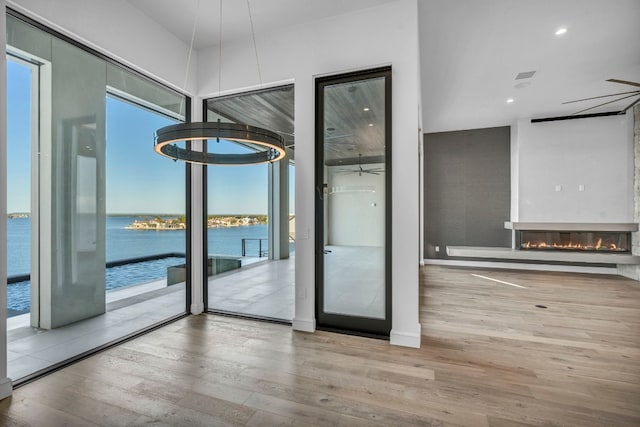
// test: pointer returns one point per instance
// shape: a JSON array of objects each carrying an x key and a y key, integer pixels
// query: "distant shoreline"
[
  {"x": 179, "y": 223},
  {"x": 12, "y": 215},
  {"x": 15, "y": 215},
  {"x": 169, "y": 222}
]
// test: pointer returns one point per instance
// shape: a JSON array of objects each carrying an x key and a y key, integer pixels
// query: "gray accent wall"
[{"x": 467, "y": 189}]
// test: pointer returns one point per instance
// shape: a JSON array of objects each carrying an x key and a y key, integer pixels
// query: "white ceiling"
[
  {"x": 471, "y": 50},
  {"x": 267, "y": 15}
]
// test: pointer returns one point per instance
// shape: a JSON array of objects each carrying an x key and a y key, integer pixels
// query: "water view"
[
  {"x": 124, "y": 243},
  {"x": 127, "y": 244}
]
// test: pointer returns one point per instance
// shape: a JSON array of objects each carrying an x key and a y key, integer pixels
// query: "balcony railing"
[{"x": 261, "y": 253}]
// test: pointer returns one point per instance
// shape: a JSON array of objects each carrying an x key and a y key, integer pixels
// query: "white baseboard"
[
  {"x": 6, "y": 388},
  {"x": 304, "y": 325},
  {"x": 406, "y": 339},
  {"x": 523, "y": 266},
  {"x": 197, "y": 308}
]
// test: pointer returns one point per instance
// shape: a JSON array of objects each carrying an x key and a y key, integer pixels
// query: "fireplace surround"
[{"x": 599, "y": 244}]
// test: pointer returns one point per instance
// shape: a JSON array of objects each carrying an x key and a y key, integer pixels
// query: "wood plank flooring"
[
  {"x": 574, "y": 363},
  {"x": 489, "y": 358}
]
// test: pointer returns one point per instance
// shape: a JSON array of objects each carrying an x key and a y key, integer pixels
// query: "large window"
[
  {"x": 237, "y": 201},
  {"x": 144, "y": 191},
  {"x": 97, "y": 220},
  {"x": 250, "y": 212},
  {"x": 20, "y": 75}
]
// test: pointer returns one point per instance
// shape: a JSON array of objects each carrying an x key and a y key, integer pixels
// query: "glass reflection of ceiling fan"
[
  {"x": 360, "y": 170},
  {"x": 634, "y": 94}
]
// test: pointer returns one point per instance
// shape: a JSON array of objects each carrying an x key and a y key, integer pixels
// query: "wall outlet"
[
  {"x": 437, "y": 249},
  {"x": 558, "y": 187},
  {"x": 581, "y": 187}
]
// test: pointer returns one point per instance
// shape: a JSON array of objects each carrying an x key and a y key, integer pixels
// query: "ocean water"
[{"x": 124, "y": 244}]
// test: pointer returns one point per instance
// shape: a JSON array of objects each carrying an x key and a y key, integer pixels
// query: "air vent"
[{"x": 525, "y": 75}]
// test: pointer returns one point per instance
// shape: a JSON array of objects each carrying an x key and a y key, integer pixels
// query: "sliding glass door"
[
  {"x": 353, "y": 254},
  {"x": 96, "y": 219}
]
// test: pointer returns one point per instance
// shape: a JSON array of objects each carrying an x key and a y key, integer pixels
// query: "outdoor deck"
[{"x": 264, "y": 288}]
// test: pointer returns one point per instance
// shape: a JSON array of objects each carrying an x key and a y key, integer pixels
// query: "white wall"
[
  {"x": 596, "y": 153},
  {"x": 381, "y": 35},
  {"x": 119, "y": 30}
]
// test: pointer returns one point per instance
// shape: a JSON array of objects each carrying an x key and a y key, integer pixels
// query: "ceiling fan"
[
  {"x": 634, "y": 95},
  {"x": 360, "y": 170}
]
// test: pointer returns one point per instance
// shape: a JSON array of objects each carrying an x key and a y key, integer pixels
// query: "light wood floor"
[{"x": 489, "y": 358}]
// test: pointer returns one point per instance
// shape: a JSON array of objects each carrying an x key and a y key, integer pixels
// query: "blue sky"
[
  {"x": 18, "y": 137},
  {"x": 138, "y": 180}
]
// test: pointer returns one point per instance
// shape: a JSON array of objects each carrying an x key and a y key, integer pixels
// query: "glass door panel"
[
  {"x": 352, "y": 215},
  {"x": 249, "y": 244}
]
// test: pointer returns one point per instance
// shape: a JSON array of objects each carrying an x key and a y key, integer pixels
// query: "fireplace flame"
[
  {"x": 570, "y": 245},
  {"x": 575, "y": 241}
]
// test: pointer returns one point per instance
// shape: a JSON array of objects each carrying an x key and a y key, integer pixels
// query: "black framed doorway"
[{"x": 353, "y": 202}]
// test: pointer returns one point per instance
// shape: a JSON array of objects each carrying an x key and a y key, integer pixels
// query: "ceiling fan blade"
[
  {"x": 605, "y": 103},
  {"x": 354, "y": 161},
  {"x": 624, "y": 82},
  {"x": 603, "y": 96}
]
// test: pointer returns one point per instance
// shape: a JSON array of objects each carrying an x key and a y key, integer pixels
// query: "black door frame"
[{"x": 338, "y": 322}]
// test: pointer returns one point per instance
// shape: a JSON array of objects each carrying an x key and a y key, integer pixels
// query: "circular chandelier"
[
  {"x": 269, "y": 145},
  {"x": 266, "y": 146}
]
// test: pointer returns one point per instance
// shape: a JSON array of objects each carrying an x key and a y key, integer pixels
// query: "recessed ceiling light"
[
  {"x": 365, "y": 109},
  {"x": 510, "y": 101},
  {"x": 370, "y": 124},
  {"x": 561, "y": 31}
]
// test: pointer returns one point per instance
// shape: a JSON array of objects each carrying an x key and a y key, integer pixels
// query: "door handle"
[{"x": 326, "y": 251}]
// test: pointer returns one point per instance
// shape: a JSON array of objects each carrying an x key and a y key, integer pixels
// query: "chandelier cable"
[
  {"x": 193, "y": 37},
  {"x": 166, "y": 139},
  {"x": 220, "y": 52},
  {"x": 255, "y": 46}
]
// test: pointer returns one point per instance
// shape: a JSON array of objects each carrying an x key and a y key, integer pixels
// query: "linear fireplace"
[
  {"x": 583, "y": 241},
  {"x": 570, "y": 243}
]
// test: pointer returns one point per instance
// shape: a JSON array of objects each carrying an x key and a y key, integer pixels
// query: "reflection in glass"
[{"x": 354, "y": 198}]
